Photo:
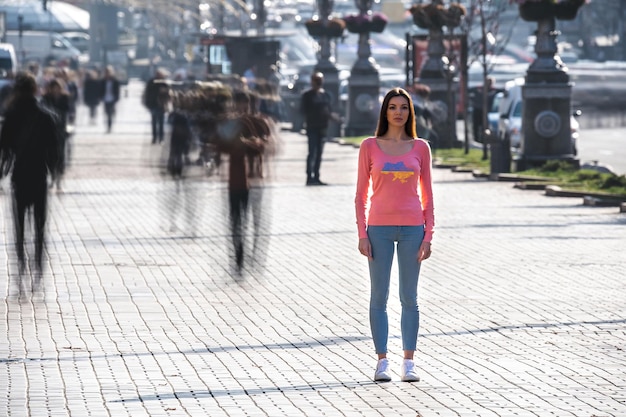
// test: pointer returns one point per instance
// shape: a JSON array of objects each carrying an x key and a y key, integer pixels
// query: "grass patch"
[
  {"x": 472, "y": 159},
  {"x": 570, "y": 178}
]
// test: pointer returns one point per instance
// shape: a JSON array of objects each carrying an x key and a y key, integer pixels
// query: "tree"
[{"x": 486, "y": 38}]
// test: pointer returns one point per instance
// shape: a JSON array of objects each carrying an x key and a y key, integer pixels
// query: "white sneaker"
[
  {"x": 382, "y": 370},
  {"x": 409, "y": 374}
]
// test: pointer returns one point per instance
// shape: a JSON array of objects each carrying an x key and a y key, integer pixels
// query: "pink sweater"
[{"x": 400, "y": 185}]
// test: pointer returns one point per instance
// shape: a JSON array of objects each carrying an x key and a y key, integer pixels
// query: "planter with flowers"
[
  {"x": 536, "y": 10},
  {"x": 332, "y": 28},
  {"x": 433, "y": 16},
  {"x": 567, "y": 10},
  {"x": 365, "y": 22}
]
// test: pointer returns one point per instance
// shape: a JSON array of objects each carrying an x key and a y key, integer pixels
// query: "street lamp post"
[
  {"x": 547, "y": 90},
  {"x": 438, "y": 71},
  {"x": 326, "y": 65},
  {"x": 364, "y": 82}
]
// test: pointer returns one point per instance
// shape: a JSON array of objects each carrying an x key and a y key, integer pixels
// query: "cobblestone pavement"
[{"x": 140, "y": 312}]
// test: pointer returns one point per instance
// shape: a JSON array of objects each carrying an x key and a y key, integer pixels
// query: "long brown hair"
[{"x": 383, "y": 123}]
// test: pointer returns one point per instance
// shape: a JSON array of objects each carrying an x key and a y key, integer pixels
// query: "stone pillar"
[
  {"x": 438, "y": 73},
  {"x": 326, "y": 66},
  {"x": 547, "y": 91},
  {"x": 443, "y": 86},
  {"x": 364, "y": 83}
]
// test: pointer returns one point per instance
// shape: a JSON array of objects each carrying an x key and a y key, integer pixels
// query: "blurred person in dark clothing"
[
  {"x": 29, "y": 151},
  {"x": 424, "y": 119},
  {"x": 242, "y": 136},
  {"x": 177, "y": 163},
  {"x": 109, "y": 94},
  {"x": 156, "y": 99},
  {"x": 91, "y": 93},
  {"x": 316, "y": 107},
  {"x": 477, "y": 108},
  {"x": 57, "y": 100},
  {"x": 67, "y": 78}
]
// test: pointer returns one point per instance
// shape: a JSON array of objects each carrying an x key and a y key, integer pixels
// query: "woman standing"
[{"x": 396, "y": 167}]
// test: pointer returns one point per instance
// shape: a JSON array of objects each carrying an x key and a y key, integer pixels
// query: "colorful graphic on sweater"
[{"x": 399, "y": 170}]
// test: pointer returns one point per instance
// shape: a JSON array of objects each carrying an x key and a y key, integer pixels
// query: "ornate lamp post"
[
  {"x": 547, "y": 90},
  {"x": 325, "y": 29},
  {"x": 438, "y": 72},
  {"x": 364, "y": 82}
]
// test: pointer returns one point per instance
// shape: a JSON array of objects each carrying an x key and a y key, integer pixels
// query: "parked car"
[
  {"x": 8, "y": 59},
  {"x": 510, "y": 109},
  {"x": 475, "y": 96},
  {"x": 493, "y": 116},
  {"x": 80, "y": 40},
  {"x": 43, "y": 47}
]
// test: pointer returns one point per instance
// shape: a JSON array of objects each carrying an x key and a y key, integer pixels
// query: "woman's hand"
[
  {"x": 365, "y": 247},
  {"x": 424, "y": 252}
]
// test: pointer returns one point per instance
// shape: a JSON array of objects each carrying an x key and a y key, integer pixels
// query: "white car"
[{"x": 510, "y": 117}]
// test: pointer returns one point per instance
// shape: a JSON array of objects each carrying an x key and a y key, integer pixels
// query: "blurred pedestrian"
[
  {"x": 424, "y": 119},
  {"x": 68, "y": 78},
  {"x": 29, "y": 151},
  {"x": 241, "y": 137},
  {"x": 156, "y": 99},
  {"x": 56, "y": 99},
  {"x": 178, "y": 161},
  {"x": 250, "y": 75},
  {"x": 316, "y": 107},
  {"x": 109, "y": 94},
  {"x": 394, "y": 207},
  {"x": 91, "y": 93},
  {"x": 478, "y": 113}
]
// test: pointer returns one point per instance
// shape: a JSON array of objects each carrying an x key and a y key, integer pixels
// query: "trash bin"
[{"x": 500, "y": 150}]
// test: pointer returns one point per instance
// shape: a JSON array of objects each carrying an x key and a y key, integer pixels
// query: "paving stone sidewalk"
[{"x": 523, "y": 304}]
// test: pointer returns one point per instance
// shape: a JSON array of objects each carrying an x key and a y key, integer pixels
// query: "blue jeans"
[
  {"x": 315, "y": 138},
  {"x": 383, "y": 241},
  {"x": 158, "y": 120}
]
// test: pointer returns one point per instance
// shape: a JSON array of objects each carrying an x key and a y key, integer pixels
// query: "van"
[
  {"x": 42, "y": 47},
  {"x": 8, "y": 60}
]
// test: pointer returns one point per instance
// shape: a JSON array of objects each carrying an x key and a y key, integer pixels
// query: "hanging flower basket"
[
  {"x": 427, "y": 16},
  {"x": 333, "y": 28},
  {"x": 535, "y": 10},
  {"x": 435, "y": 16},
  {"x": 378, "y": 22},
  {"x": 365, "y": 23},
  {"x": 567, "y": 10},
  {"x": 454, "y": 14}
]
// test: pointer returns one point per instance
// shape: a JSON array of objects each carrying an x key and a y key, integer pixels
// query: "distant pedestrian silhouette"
[
  {"x": 156, "y": 98},
  {"x": 110, "y": 95},
  {"x": 57, "y": 100},
  {"x": 91, "y": 93}
]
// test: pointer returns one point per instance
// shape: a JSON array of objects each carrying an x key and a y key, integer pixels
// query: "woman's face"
[{"x": 398, "y": 111}]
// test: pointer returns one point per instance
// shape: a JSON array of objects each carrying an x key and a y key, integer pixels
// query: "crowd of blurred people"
[
  {"x": 211, "y": 124},
  {"x": 224, "y": 126}
]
